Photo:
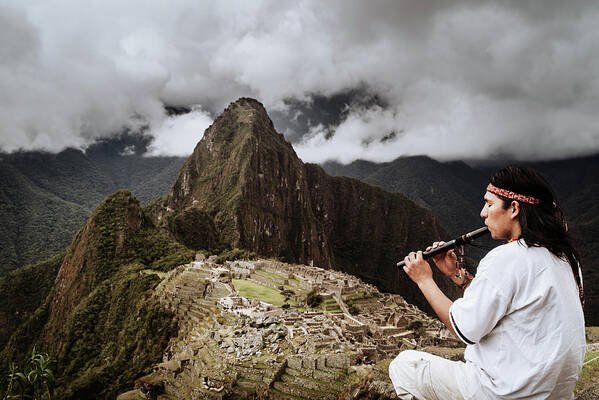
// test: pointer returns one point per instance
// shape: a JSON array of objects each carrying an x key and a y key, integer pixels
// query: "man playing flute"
[{"x": 521, "y": 317}]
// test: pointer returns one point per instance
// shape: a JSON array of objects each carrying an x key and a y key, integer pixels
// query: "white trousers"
[{"x": 423, "y": 376}]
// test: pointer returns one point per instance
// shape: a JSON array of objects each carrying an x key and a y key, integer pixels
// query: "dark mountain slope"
[
  {"x": 99, "y": 321},
  {"x": 452, "y": 190},
  {"x": 370, "y": 230},
  {"x": 23, "y": 292},
  {"x": 34, "y": 223}
]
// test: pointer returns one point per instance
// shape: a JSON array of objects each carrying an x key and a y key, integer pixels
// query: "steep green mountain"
[
  {"x": 247, "y": 188},
  {"x": 453, "y": 190},
  {"x": 98, "y": 320},
  {"x": 45, "y": 198},
  {"x": 23, "y": 292}
]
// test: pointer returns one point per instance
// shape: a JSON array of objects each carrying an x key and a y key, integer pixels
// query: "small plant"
[
  {"x": 287, "y": 293},
  {"x": 353, "y": 310},
  {"x": 35, "y": 382},
  {"x": 285, "y": 306},
  {"x": 313, "y": 299}
]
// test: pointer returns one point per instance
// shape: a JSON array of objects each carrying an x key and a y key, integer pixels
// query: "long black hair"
[{"x": 543, "y": 224}]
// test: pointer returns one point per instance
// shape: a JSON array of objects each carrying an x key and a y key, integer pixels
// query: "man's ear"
[{"x": 514, "y": 209}]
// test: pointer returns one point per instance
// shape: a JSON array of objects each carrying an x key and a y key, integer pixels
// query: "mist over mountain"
[{"x": 447, "y": 79}]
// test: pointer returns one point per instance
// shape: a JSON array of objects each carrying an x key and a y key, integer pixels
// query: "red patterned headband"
[{"x": 512, "y": 195}]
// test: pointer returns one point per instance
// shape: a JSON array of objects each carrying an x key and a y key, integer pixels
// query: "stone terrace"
[{"x": 231, "y": 346}]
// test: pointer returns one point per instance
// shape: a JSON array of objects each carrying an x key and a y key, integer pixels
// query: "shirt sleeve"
[{"x": 478, "y": 312}]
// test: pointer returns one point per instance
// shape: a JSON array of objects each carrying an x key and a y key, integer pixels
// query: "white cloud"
[
  {"x": 459, "y": 78},
  {"x": 177, "y": 135}
]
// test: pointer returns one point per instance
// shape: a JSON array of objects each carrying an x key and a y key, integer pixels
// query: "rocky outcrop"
[
  {"x": 591, "y": 393},
  {"x": 262, "y": 197},
  {"x": 249, "y": 179}
]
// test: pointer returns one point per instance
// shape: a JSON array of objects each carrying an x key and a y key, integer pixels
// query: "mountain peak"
[
  {"x": 240, "y": 121},
  {"x": 248, "y": 108},
  {"x": 240, "y": 147},
  {"x": 245, "y": 187}
]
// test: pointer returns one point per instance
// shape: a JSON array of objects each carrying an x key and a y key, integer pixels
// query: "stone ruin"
[{"x": 230, "y": 346}]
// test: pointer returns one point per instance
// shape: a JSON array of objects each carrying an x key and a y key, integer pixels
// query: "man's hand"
[
  {"x": 417, "y": 268},
  {"x": 421, "y": 273},
  {"x": 445, "y": 261}
]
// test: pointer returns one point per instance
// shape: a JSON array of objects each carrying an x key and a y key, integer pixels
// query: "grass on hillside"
[
  {"x": 590, "y": 371},
  {"x": 252, "y": 290},
  {"x": 161, "y": 275}
]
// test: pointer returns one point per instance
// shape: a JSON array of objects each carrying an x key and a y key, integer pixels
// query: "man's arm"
[
  {"x": 420, "y": 272},
  {"x": 438, "y": 301}
]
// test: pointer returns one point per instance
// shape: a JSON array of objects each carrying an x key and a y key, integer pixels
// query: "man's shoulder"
[{"x": 511, "y": 250}]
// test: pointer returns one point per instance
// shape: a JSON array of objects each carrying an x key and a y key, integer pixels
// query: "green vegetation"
[
  {"x": 180, "y": 255},
  {"x": 331, "y": 305},
  {"x": 235, "y": 254},
  {"x": 353, "y": 310},
  {"x": 590, "y": 371},
  {"x": 114, "y": 330},
  {"x": 288, "y": 293},
  {"x": 253, "y": 290},
  {"x": 195, "y": 229},
  {"x": 35, "y": 381},
  {"x": 34, "y": 223},
  {"x": 23, "y": 291},
  {"x": 115, "y": 335},
  {"x": 313, "y": 299}
]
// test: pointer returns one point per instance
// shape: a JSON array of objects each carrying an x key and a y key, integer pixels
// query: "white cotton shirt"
[{"x": 522, "y": 320}]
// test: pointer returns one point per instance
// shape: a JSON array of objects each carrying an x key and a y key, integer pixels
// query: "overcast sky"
[{"x": 451, "y": 79}]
